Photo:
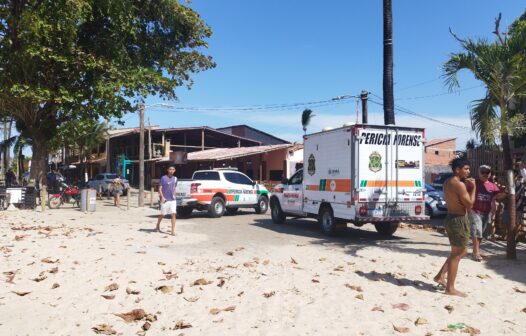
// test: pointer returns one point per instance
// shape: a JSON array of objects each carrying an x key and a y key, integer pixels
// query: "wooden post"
[
  {"x": 151, "y": 197},
  {"x": 511, "y": 246},
  {"x": 128, "y": 192},
  {"x": 43, "y": 197}
]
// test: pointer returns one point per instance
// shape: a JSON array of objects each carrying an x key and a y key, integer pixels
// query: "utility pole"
[
  {"x": 365, "y": 116},
  {"x": 511, "y": 244},
  {"x": 149, "y": 140},
  {"x": 108, "y": 156},
  {"x": 141, "y": 155},
  {"x": 389, "y": 117}
]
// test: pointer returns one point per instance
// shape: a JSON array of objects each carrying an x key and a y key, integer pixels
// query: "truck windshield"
[{"x": 206, "y": 175}]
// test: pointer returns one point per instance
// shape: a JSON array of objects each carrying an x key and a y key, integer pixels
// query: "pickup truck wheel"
[
  {"x": 327, "y": 221},
  {"x": 278, "y": 216},
  {"x": 262, "y": 205},
  {"x": 386, "y": 229},
  {"x": 184, "y": 211},
  {"x": 231, "y": 211},
  {"x": 217, "y": 207}
]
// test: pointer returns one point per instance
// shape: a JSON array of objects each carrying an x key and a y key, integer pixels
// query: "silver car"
[
  {"x": 102, "y": 182},
  {"x": 435, "y": 202}
]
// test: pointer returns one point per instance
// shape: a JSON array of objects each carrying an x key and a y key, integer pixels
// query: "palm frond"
[
  {"x": 306, "y": 117},
  {"x": 484, "y": 119}
]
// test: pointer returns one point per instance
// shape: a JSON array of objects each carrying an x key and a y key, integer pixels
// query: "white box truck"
[{"x": 359, "y": 174}]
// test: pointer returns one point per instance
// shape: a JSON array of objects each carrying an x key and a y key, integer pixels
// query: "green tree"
[
  {"x": 64, "y": 60},
  {"x": 501, "y": 66},
  {"x": 306, "y": 117}
]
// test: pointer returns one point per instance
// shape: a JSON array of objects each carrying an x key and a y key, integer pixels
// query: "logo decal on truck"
[
  {"x": 375, "y": 162},
  {"x": 311, "y": 168}
]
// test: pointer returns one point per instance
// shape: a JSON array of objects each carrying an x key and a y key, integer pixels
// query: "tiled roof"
[{"x": 218, "y": 154}]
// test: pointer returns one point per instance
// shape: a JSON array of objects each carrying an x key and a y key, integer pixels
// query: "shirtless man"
[{"x": 459, "y": 202}]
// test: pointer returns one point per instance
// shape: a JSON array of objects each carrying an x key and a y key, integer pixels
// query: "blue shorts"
[
  {"x": 116, "y": 191},
  {"x": 479, "y": 224}
]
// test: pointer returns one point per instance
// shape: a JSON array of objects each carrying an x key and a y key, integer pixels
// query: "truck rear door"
[{"x": 390, "y": 170}]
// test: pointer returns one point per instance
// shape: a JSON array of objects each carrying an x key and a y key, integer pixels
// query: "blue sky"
[{"x": 285, "y": 52}]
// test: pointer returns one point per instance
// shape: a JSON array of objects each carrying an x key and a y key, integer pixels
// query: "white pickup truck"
[{"x": 218, "y": 191}]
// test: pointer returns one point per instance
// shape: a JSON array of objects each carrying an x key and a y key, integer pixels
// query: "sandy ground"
[{"x": 241, "y": 275}]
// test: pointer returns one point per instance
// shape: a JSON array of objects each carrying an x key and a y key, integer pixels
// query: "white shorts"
[{"x": 168, "y": 208}]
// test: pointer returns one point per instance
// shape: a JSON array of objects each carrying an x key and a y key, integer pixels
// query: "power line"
[
  {"x": 419, "y": 84},
  {"x": 441, "y": 94}
]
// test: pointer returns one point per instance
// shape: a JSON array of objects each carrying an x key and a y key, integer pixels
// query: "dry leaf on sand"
[
  {"x": 10, "y": 276},
  {"x": 339, "y": 269},
  {"x": 181, "y": 290},
  {"x": 248, "y": 264},
  {"x": 40, "y": 277},
  {"x": 20, "y": 293},
  {"x": 483, "y": 276},
  {"x": 230, "y": 308},
  {"x": 192, "y": 299},
  {"x": 111, "y": 287},
  {"x": 356, "y": 288},
  {"x": 132, "y": 291},
  {"x": 53, "y": 270},
  {"x": 170, "y": 275},
  {"x": 237, "y": 249},
  {"x": 266, "y": 262},
  {"x": 215, "y": 311},
  {"x": 221, "y": 283},
  {"x": 202, "y": 282},
  {"x": 471, "y": 330},
  {"x": 524, "y": 310},
  {"x": 518, "y": 290},
  {"x": 165, "y": 289},
  {"x": 182, "y": 325},
  {"x": 134, "y": 315},
  {"x": 108, "y": 297},
  {"x": 401, "y": 330},
  {"x": 49, "y": 261},
  {"x": 240, "y": 293},
  {"x": 150, "y": 318},
  {"x": 218, "y": 321},
  {"x": 315, "y": 280},
  {"x": 420, "y": 321},
  {"x": 104, "y": 329},
  {"x": 230, "y": 253},
  {"x": 401, "y": 306},
  {"x": 55, "y": 285},
  {"x": 269, "y": 294},
  {"x": 292, "y": 260},
  {"x": 449, "y": 308},
  {"x": 378, "y": 308},
  {"x": 359, "y": 296},
  {"x": 146, "y": 326}
]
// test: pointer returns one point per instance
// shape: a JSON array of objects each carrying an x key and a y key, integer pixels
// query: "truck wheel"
[
  {"x": 184, "y": 211},
  {"x": 386, "y": 229},
  {"x": 231, "y": 211},
  {"x": 262, "y": 205},
  {"x": 278, "y": 216},
  {"x": 217, "y": 207},
  {"x": 54, "y": 202},
  {"x": 327, "y": 221},
  {"x": 429, "y": 211}
]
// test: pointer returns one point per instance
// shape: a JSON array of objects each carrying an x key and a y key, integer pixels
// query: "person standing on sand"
[
  {"x": 167, "y": 197},
  {"x": 459, "y": 202}
]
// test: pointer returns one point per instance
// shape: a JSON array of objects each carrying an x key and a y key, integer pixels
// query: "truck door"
[{"x": 293, "y": 193}]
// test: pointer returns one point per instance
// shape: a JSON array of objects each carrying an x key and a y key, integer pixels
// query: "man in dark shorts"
[{"x": 459, "y": 202}]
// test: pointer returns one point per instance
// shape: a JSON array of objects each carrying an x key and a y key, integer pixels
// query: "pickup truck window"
[
  {"x": 297, "y": 178},
  {"x": 206, "y": 175},
  {"x": 237, "y": 178}
]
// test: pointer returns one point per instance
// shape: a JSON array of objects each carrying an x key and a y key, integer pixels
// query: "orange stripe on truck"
[
  {"x": 333, "y": 185},
  {"x": 390, "y": 183}
]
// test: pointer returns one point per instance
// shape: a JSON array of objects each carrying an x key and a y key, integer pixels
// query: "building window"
[
  {"x": 276, "y": 175},
  {"x": 436, "y": 152}
]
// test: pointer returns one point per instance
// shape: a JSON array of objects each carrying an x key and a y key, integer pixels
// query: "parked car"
[
  {"x": 435, "y": 202},
  {"x": 219, "y": 191},
  {"x": 438, "y": 183},
  {"x": 104, "y": 180}
]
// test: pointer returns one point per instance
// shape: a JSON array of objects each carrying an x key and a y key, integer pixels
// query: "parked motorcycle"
[{"x": 66, "y": 194}]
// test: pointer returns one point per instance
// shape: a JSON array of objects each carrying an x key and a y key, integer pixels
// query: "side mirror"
[
  {"x": 254, "y": 183},
  {"x": 285, "y": 181}
]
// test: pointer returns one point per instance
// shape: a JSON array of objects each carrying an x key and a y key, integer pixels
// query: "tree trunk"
[
  {"x": 389, "y": 118},
  {"x": 506, "y": 151},
  {"x": 39, "y": 159},
  {"x": 511, "y": 246}
]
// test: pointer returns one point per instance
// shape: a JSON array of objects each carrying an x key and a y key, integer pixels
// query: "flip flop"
[{"x": 477, "y": 258}]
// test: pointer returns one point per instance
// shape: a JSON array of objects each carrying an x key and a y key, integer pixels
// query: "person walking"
[
  {"x": 459, "y": 202},
  {"x": 480, "y": 215},
  {"x": 117, "y": 189},
  {"x": 167, "y": 186}
]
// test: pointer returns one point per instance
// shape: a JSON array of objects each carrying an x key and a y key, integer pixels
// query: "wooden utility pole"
[
  {"x": 389, "y": 118},
  {"x": 141, "y": 155},
  {"x": 365, "y": 117}
]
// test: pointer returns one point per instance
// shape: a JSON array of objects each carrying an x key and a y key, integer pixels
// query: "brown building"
[{"x": 438, "y": 153}]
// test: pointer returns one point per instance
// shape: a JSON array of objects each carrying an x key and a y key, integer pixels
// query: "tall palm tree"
[
  {"x": 501, "y": 67},
  {"x": 389, "y": 117},
  {"x": 306, "y": 116}
]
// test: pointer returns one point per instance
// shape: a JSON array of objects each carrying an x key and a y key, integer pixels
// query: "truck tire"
[
  {"x": 217, "y": 207},
  {"x": 231, "y": 211},
  {"x": 278, "y": 216},
  {"x": 327, "y": 221},
  {"x": 387, "y": 228},
  {"x": 262, "y": 205},
  {"x": 184, "y": 211}
]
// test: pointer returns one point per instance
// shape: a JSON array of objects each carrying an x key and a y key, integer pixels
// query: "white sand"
[{"x": 304, "y": 276}]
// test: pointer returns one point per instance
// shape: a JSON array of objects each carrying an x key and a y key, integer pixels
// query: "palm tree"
[
  {"x": 501, "y": 67},
  {"x": 306, "y": 116},
  {"x": 389, "y": 118}
]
